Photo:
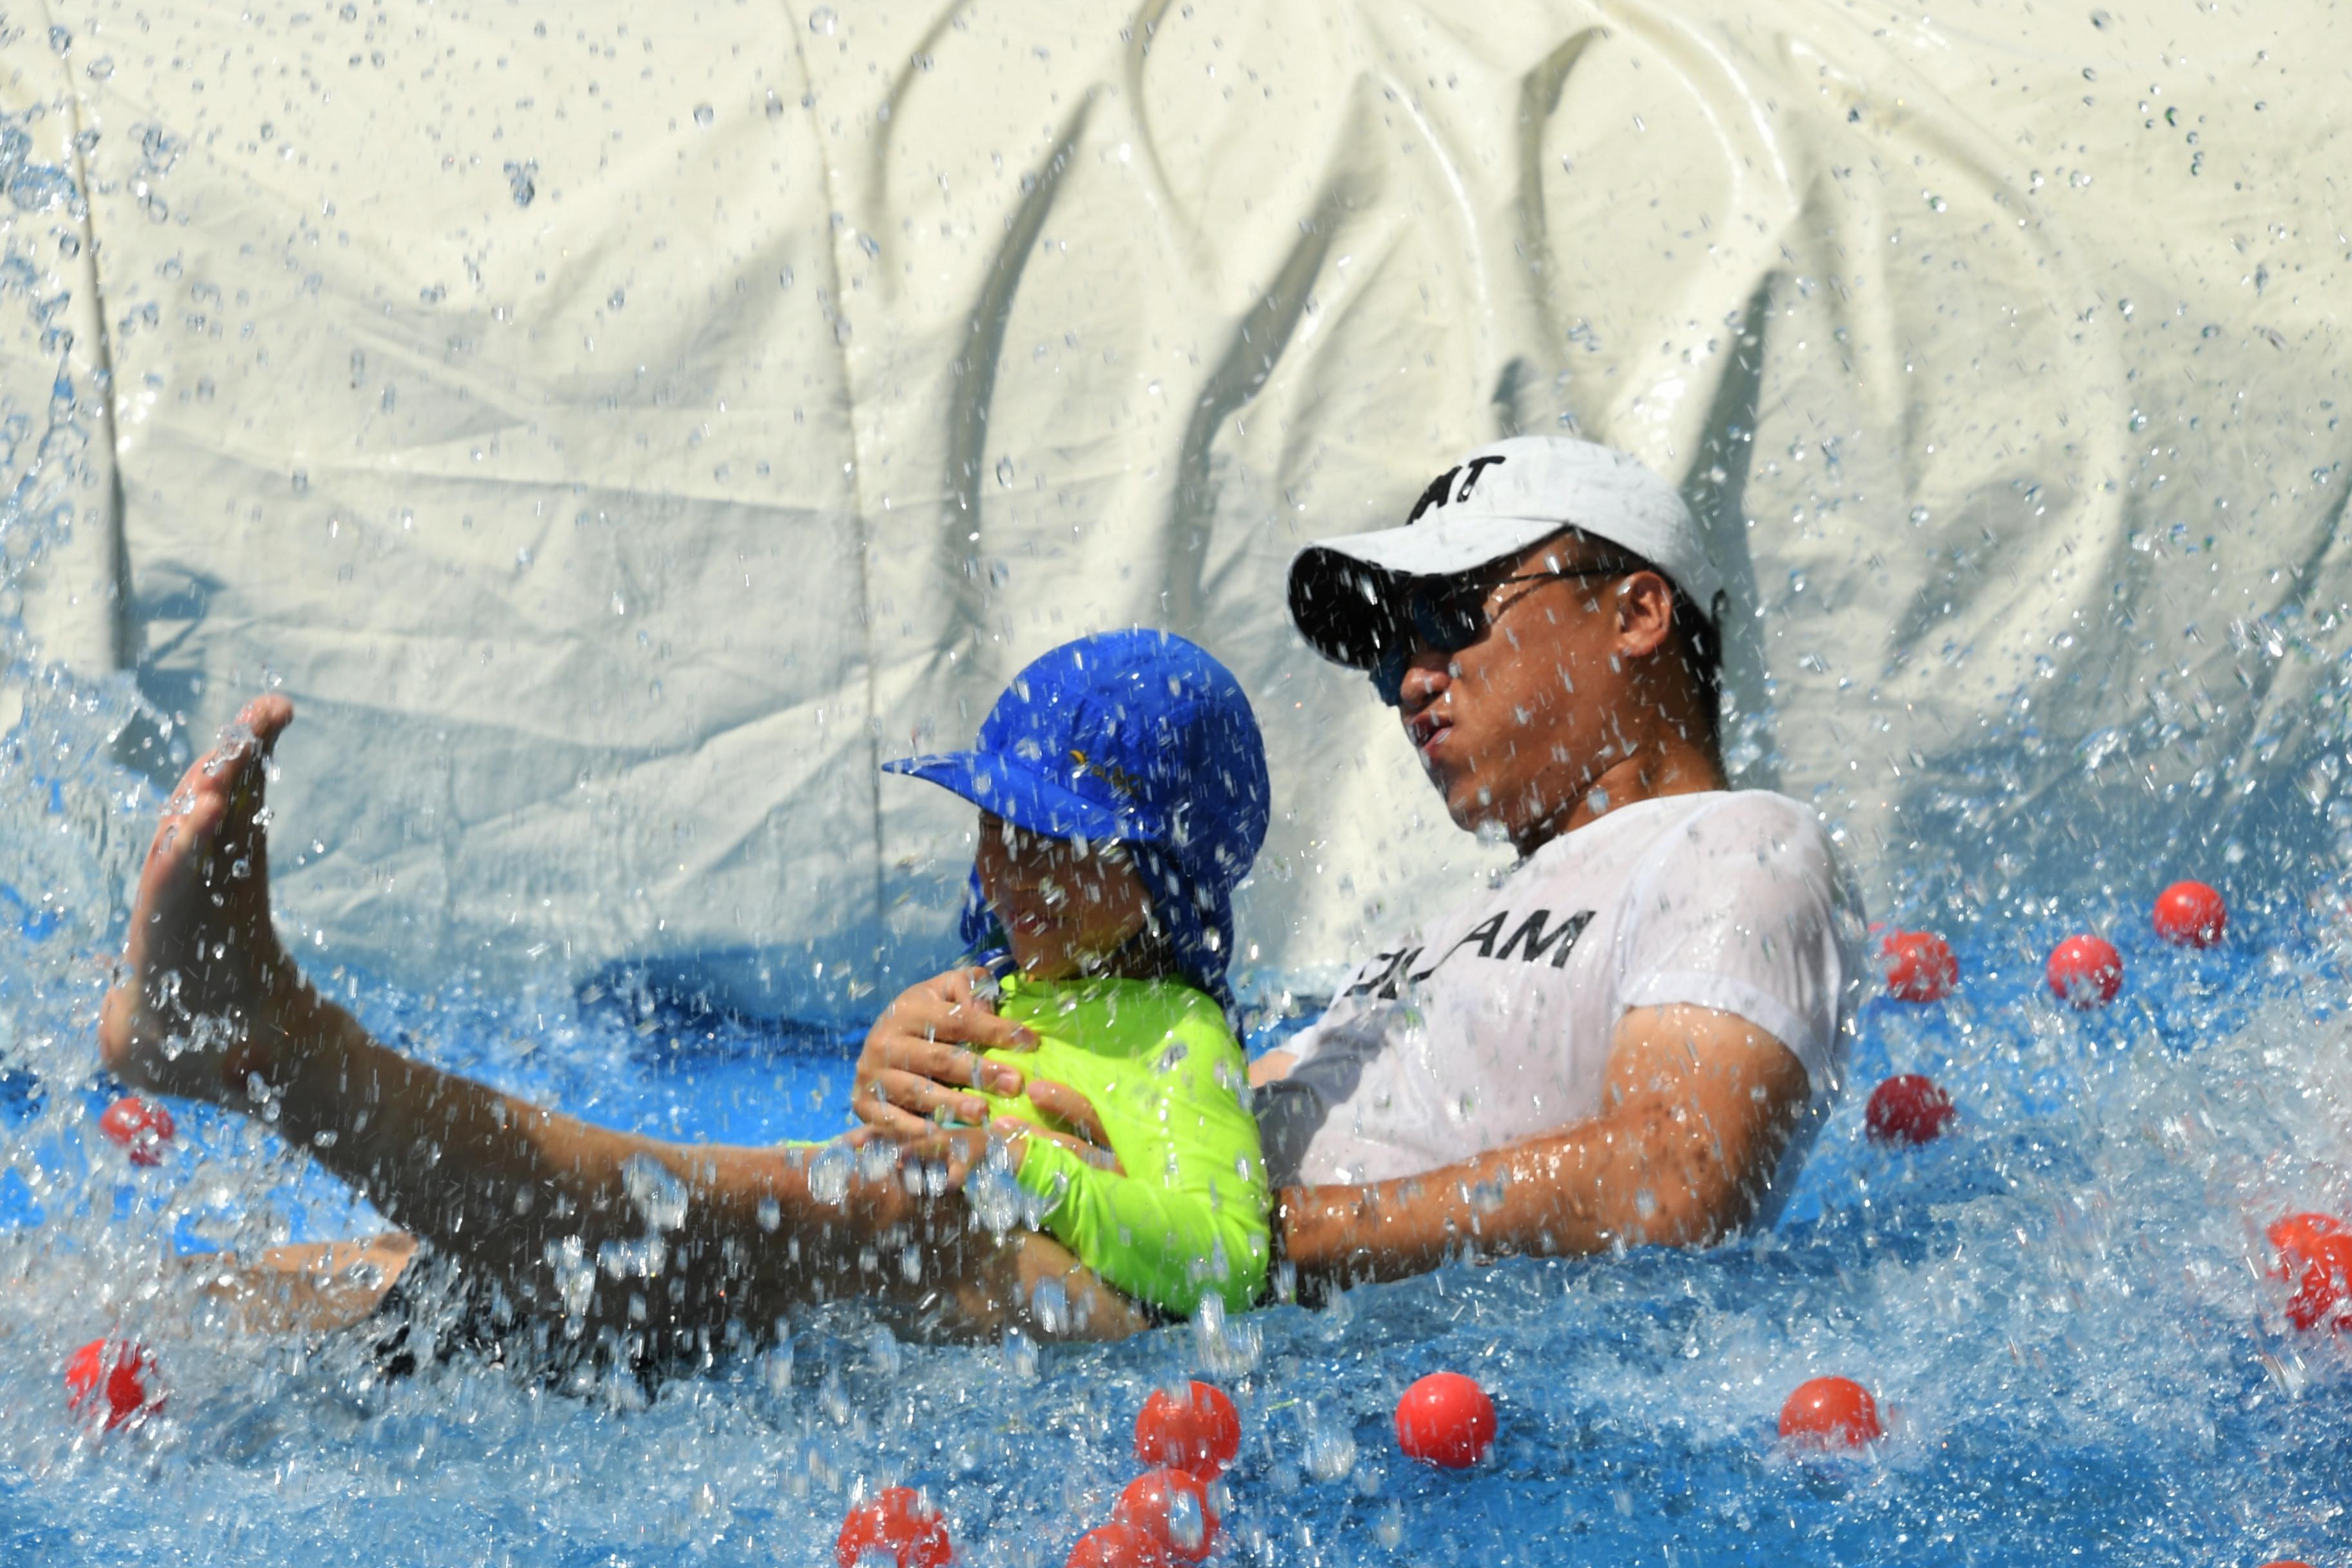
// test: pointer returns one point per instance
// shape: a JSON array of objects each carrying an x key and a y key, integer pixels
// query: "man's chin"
[{"x": 1471, "y": 813}]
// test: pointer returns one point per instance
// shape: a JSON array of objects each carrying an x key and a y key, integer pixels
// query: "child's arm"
[{"x": 1190, "y": 1219}]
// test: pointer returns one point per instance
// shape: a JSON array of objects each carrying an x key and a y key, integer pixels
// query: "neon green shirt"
[{"x": 1189, "y": 1219}]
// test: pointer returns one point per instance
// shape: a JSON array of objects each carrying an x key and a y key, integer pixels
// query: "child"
[{"x": 1122, "y": 788}]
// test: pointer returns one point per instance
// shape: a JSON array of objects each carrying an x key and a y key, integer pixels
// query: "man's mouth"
[{"x": 1425, "y": 728}]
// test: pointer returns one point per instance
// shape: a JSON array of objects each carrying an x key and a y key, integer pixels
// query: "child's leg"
[{"x": 1020, "y": 1280}]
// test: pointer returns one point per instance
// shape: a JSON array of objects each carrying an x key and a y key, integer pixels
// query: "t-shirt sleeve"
[{"x": 1744, "y": 909}]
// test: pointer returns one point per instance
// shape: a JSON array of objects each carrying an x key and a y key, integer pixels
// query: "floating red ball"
[
  {"x": 1172, "y": 1507},
  {"x": 2085, "y": 971},
  {"x": 1831, "y": 1412},
  {"x": 1446, "y": 1419},
  {"x": 1920, "y": 966},
  {"x": 1909, "y": 1107},
  {"x": 898, "y": 1526},
  {"x": 2295, "y": 1234},
  {"x": 1118, "y": 1546},
  {"x": 141, "y": 1126},
  {"x": 2321, "y": 1266},
  {"x": 1200, "y": 1431},
  {"x": 111, "y": 1377},
  {"x": 2190, "y": 914}
]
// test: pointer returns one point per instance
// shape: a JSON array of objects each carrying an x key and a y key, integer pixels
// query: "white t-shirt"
[{"x": 1495, "y": 1021}]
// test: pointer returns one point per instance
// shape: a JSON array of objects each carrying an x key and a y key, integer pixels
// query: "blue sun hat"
[{"x": 1135, "y": 736}]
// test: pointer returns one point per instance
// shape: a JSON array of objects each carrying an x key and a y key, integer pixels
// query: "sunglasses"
[{"x": 1449, "y": 614}]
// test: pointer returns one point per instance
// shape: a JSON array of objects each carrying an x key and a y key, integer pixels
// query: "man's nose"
[{"x": 1426, "y": 676}]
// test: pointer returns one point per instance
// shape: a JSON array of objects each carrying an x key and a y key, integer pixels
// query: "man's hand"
[
  {"x": 1700, "y": 1106},
  {"x": 1081, "y": 1125},
  {"x": 921, "y": 1058}
]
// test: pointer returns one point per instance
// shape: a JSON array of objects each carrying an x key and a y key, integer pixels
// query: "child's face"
[{"x": 1064, "y": 909}]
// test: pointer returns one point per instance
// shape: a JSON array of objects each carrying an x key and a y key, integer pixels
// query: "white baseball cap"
[{"x": 1494, "y": 503}]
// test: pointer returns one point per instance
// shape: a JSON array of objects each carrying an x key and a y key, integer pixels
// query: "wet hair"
[{"x": 1698, "y": 643}]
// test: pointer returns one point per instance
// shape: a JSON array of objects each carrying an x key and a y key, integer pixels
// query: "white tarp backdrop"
[{"x": 620, "y": 429}]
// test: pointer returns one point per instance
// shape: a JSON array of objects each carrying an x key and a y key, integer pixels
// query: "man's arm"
[{"x": 1701, "y": 1105}]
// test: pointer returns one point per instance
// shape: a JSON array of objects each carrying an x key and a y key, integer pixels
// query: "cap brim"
[
  {"x": 1343, "y": 592},
  {"x": 1026, "y": 799}
]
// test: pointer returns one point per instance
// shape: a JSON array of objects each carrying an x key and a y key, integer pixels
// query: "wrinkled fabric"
[{"x": 620, "y": 431}]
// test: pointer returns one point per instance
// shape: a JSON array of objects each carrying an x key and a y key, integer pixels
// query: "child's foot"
[{"x": 200, "y": 1009}]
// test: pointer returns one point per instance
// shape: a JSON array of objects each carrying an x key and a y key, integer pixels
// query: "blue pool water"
[{"x": 2061, "y": 1303}]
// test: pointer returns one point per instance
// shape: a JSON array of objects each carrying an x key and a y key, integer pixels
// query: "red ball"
[
  {"x": 2293, "y": 1236},
  {"x": 141, "y": 1126},
  {"x": 117, "y": 1371},
  {"x": 1909, "y": 1108},
  {"x": 1172, "y": 1507},
  {"x": 1446, "y": 1419},
  {"x": 1920, "y": 966},
  {"x": 2085, "y": 971},
  {"x": 1118, "y": 1546},
  {"x": 1831, "y": 1412},
  {"x": 898, "y": 1526},
  {"x": 2322, "y": 1295},
  {"x": 1201, "y": 1432},
  {"x": 2288, "y": 1563},
  {"x": 2190, "y": 914}
]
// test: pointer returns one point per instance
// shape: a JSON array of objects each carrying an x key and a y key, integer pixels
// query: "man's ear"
[{"x": 1645, "y": 614}]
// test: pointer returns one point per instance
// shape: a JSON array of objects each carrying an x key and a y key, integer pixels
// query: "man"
[{"x": 1632, "y": 1037}]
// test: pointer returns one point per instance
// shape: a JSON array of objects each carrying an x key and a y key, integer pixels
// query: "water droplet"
[
  {"x": 432, "y": 294},
  {"x": 620, "y": 296},
  {"x": 658, "y": 1195},
  {"x": 102, "y": 68},
  {"x": 1918, "y": 517},
  {"x": 60, "y": 39},
  {"x": 522, "y": 181},
  {"x": 704, "y": 114},
  {"x": 1004, "y": 472},
  {"x": 301, "y": 482},
  {"x": 821, "y": 21},
  {"x": 775, "y": 106}
]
